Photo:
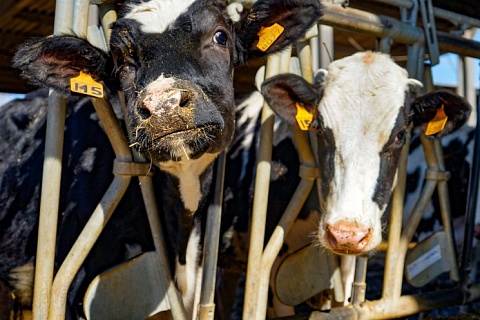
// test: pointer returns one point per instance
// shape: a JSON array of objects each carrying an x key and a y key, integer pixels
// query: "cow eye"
[
  {"x": 399, "y": 139},
  {"x": 220, "y": 37}
]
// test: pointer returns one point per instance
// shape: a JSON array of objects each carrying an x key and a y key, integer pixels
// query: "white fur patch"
[
  {"x": 188, "y": 173},
  {"x": 21, "y": 279},
  {"x": 156, "y": 15},
  {"x": 187, "y": 276},
  {"x": 362, "y": 100}
]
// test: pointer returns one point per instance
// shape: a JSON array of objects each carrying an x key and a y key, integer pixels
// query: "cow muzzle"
[
  {"x": 176, "y": 119},
  {"x": 348, "y": 237}
]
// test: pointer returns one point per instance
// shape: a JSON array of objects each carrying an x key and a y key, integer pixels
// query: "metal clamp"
[
  {"x": 430, "y": 31},
  {"x": 123, "y": 168},
  {"x": 437, "y": 175}
]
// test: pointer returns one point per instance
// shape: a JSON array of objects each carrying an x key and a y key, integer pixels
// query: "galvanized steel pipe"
[
  {"x": 149, "y": 199},
  {"x": 49, "y": 202},
  {"x": 51, "y": 178},
  {"x": 211, "y": 243},
  {"x": 402, "y": 306},
  {"x": 260, "y": 199},
  {"x": 83, "y": 244}
]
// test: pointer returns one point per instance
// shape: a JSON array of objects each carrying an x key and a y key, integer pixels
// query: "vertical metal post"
[
  {"x": 52, "y": 170},
  {"x": 260, "y": 200},
  {"x": 326, "y": 45},
  {"x": 50, "y": 197},
  {"x": 473, "y": 189},
  {"x": 359, "y": 286},
  {"x": 212, "y": 239}
]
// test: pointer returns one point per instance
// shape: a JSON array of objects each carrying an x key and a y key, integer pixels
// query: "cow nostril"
[
  {"x": 345, "y": 236},
  {"x": 144, "y": 112},
  {"x": 185, "y": 99}
]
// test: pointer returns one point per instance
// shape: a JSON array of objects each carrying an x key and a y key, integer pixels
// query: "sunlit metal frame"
[{"x": 50, "y": 293}]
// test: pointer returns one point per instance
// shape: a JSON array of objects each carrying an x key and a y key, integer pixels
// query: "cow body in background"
[
  {"x": 360, "y": 108},
  {"x": 174, "y": 62},
  {"x": 458, "y": 154}
]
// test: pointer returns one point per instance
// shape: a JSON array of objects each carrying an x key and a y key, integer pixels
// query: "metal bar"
[
  {"x": 83, "y": 244},
  {"x": 391, "y": 288},
  {"x": 100, "y": 216},
  {"x": 442, "y": 190},
  {"x": 371, "y": 24},
  {"x": 49, "y": 202},
  {"x": 212, "y": 239},
  {"x": 108, "y": 15},
  {"x": 383, "y": 26},
  {"x": 260, "y": 199},
  {"x": 359, "y": 286},
  {"x": 148, "y": 194},
  {"x": 80, "y": 17},
  {"x": 276, "y": 241},
  {"x": 403, "y": 306},
  {"x": 52, "y": 168},
  {"x": 466, "y": 260},
  {"x": 438, "y": 12}
]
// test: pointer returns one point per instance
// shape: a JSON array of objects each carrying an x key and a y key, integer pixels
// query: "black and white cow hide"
[
  {"x": 360, "y": 107},
  {"x": 174, "y": 62},
  {"x": 458, "y": 152}
]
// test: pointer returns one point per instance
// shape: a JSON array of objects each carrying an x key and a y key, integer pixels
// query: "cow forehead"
[
  {"x": 155, "y": 16},
  {"x": 363, "y": 96}
]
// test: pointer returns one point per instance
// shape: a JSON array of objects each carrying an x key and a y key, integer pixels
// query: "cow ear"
[
  {"x": 271, "y": 25},
  {"x": 284, "y": 91},
  {"x": 51, "y": 62},
  {"x": 440, "y": 113}
]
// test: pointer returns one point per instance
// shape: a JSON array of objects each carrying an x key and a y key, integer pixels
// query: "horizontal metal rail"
[{"x": 386, "y": 27}]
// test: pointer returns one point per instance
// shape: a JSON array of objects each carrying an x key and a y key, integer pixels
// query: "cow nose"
[
  {"x": 158, "y": 101},
  {"x": 347, "y": 237}
]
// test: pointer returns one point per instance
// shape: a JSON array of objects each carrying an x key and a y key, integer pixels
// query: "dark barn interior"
[{"x": 20, "y": 20}]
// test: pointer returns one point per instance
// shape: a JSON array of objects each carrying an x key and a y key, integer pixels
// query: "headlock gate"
[{"x": 80, "y": 17}]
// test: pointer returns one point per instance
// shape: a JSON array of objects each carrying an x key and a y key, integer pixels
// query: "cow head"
[
  {"x": 174, "y": 61},
  {"x": 360, "y": 112}
]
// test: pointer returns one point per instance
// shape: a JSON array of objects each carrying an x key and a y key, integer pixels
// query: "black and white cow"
[
  {"x": 174, "y": 62},
  {"x": 361, "y": 108},
  {"x": 458, "y": 154}
]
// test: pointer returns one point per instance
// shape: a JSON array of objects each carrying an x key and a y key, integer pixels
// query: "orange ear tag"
[
  {"x": 437, "y": 123},
  {"x": 86, "y": 85},
  {"x": 268, "y": 35},
  {"x": 303, "y": 117}
]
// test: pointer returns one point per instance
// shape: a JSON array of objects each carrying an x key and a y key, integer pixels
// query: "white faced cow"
[
  {"x": 362, "y": 114},
  {"x": 174, "y": 61},
  {"x": 361, "y": 108}
]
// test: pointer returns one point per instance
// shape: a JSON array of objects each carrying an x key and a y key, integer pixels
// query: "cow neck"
[{"x": 189, "y": 173}]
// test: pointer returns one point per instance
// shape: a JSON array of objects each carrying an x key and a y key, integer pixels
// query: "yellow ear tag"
[
  {"x": 268, "y": 35},
  {"x": 86, "y": 85},
  {"x": 437, "y": 123},
  {"x": 303, "y": 117}
]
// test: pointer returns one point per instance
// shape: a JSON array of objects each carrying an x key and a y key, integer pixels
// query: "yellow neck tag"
[
  {"x": 438, "y": 123},
  {"x": 303, "y": 117},
  {"x": 86, "y": 85},
  {"x": 268, "y": 35}
]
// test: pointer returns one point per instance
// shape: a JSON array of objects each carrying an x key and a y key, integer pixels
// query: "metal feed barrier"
[{"x": 50, "y": 293}]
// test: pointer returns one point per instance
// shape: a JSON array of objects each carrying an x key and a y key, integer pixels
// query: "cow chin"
[{"x": 184, "y": 145}]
